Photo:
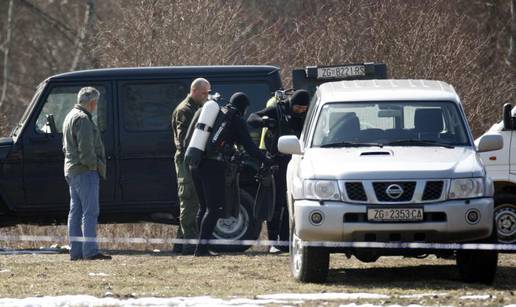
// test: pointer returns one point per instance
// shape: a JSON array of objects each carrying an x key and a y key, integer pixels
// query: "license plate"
[
  {"x": 340, "y": 72},
  {"x": 394, "y": 214}
]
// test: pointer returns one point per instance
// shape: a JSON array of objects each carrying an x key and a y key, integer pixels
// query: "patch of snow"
[
  {"x": 419, "y": 296},
  {"x": 98, "y": 274},
  {"x": 86, "y": 300},
  {"x": 323, "y": 296},
  {"x": 276, "y": 299},
  {"x": 476, "y": 297},
  {"x": 371, "y": 305}
]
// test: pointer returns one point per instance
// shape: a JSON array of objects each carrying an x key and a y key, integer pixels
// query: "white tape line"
[{"x": 386, "y": 245}]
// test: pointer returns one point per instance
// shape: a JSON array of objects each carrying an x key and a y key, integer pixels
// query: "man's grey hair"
[
  {"x": 87, "y": 94},
  {"x": 199, "y": 82}
]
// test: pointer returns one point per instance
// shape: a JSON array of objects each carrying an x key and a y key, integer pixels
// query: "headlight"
[
  {"x": 321, "y": 189},
  {"x": 466, "y": 188}
]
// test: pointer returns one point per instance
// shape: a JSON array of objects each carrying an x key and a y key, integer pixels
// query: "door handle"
[{"x": 109, "y": 157}]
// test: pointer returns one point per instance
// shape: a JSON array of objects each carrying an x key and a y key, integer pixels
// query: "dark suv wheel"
[{"x": 245, "y": 227}]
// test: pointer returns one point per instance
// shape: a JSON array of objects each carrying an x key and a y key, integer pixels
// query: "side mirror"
[
  {"x": 51, "y": 123},
  {"x": 489, "y": 142},
  {"x": 507, "y": 117},
  {"x": 289, "y": 144}
]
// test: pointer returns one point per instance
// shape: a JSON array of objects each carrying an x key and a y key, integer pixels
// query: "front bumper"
[{"x": 449, "y": 226}]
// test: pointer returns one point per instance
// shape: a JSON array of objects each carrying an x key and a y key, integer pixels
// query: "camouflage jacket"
[{"x": 181, "y": 118}]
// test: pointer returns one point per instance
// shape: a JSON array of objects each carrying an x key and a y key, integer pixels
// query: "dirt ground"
[{"x": 142, "y": 274}]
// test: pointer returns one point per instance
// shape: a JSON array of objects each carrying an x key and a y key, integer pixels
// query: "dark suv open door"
[{"x": 310, "y": 77}]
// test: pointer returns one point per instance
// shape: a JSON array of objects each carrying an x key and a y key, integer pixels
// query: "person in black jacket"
[
  {"x": 210, "y": 174},
  {"x": 282, "y": 118}
]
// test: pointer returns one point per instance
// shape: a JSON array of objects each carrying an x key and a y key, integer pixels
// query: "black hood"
[
  {"x": 239, "y": 101},
  {"x": 300, "y": 97}
]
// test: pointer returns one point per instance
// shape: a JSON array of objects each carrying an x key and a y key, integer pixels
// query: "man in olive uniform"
[{"x": 189, "y": 203}]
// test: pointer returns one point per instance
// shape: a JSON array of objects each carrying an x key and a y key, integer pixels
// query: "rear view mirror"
[
  {"x": 489, "y": 142},
  {"x": 507, "y": 117},
  {"x": 289, "y": 144},
  {"x": 389, "y": 113},
  {"x": 51, "y": 123}
]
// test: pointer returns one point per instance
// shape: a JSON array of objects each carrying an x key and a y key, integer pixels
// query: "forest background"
[{"x": 463, "y": 42}]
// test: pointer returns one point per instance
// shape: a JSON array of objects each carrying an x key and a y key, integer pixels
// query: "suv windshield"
[{"x": 428, "y": 123}]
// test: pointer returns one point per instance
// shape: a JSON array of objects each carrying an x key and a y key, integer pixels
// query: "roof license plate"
[
  {"x": 395, "y": 214},
  {"x": 338, "y": 72}
]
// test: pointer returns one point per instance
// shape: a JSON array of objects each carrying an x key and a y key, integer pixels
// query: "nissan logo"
[{"x": 394, "y": 191}]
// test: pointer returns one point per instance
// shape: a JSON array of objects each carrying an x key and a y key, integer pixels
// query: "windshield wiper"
[
  {"x": 418, "y": 143},
  {"x": 351, "y": 144}
]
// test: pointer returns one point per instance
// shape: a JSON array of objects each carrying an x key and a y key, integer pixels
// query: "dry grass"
[{"x": 245, "y": 275}]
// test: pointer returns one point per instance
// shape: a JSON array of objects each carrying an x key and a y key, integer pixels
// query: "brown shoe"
[{"x": 99, "y": 256}]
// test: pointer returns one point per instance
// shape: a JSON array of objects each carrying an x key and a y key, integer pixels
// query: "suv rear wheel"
[
  {"x": 245, "y": 227},
  {"x": 308, "y": 263},
  {"x": 477, "y": 266}
]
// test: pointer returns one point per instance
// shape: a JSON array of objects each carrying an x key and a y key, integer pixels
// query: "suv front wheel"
[{"x": 308, "y": 263}]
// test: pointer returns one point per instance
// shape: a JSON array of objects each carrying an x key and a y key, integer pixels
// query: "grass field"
[
  {"x": 247, "y": 275},
  {"x": 143, "y": 273}
]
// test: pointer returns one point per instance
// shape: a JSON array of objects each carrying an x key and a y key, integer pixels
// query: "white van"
[
  {"x": 388, "y": 161},
  {"x": 501, "y": 167}
]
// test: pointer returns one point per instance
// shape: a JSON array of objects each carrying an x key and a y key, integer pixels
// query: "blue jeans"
[{"x": 83, "y": 215}]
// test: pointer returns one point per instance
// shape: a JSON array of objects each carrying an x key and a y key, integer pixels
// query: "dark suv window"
[
  {"x": 61, "y": 100},
  {"x": 148, "y": 107}
]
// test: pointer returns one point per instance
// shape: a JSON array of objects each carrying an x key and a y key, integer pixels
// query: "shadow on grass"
[{"x": 434, "y": 277}]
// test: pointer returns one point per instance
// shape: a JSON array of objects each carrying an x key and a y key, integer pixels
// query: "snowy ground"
[{"x": 261, "y": 300}]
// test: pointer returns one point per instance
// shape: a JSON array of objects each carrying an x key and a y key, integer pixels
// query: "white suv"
[{"x": 387, "y": 161}]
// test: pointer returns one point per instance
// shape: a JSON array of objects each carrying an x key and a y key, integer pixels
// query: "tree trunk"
[
  {"x": 6, "y": 52},
  {"x": 87, "y": 30},
  {"x": 512, "y": 51}
]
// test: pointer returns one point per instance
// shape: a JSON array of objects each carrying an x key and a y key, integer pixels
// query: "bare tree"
[
  {"x": 5, "y": 48},
  {"x": 512, "y": 50},
  {"x": 86, "y": 29}
]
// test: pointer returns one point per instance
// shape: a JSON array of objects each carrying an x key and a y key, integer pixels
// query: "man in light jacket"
[{"x": 85, "y": 162}]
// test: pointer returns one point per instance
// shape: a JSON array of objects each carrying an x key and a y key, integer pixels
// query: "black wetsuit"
[
  {"x": 285, "y": 125},
  {"x": 209, "y": 178}
]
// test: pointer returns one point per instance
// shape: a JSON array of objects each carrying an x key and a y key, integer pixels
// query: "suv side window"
[
  {"x": 148, "y": 107},
  {"x": 309, "y": 115},
  {"x": 61, "y": 100}
]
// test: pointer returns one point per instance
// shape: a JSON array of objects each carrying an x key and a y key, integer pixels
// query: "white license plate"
[
  {"x": 340, "y": 72},
  {"x": 394, "y": 214}
]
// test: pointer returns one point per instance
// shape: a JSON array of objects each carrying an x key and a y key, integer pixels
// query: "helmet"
[{"x": 239, "y": 101}]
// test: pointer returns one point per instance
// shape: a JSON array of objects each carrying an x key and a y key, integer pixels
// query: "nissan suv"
[{"x": 387, "y": 161}]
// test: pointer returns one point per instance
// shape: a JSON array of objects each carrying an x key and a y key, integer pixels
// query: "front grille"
[
  {"x": 355, "y": 191},
  {"x": 433, "y": 190},
  {"x": 380, "y": 189}
]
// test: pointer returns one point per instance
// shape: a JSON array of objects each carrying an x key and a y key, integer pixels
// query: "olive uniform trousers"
[{"x": 188, "y": 201}]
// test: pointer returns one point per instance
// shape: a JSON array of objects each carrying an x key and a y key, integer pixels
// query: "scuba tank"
[{"x": 203, "y": 128}]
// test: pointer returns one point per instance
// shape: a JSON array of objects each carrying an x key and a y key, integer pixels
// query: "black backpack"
[{"x": 218, "y": 139}]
